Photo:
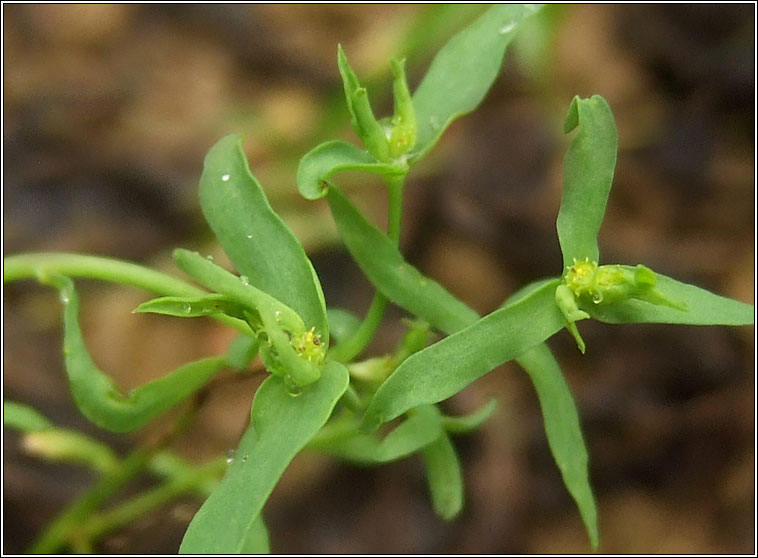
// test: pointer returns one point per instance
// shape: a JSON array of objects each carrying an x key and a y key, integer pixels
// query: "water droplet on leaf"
[
  {"x": 507, "y": 28},
  {"x": 209, "y": 258},
  {"x": 186, "y": 307},
  {"x": 225, "y": 178},
  {"x": 292, "y": 388},
  {"x": 244, "y": 280}
]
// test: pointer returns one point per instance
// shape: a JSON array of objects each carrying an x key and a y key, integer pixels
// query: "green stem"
[
  {"x": 140, "y": 505},
  {"x": 64, "y": 528},
  {"x": 354, "y": 346},
  {"x": 39, "y": 265}
]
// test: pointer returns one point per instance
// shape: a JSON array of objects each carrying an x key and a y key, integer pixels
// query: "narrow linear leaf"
[
  {"x": 242, "y": 351},
  {"x": 463, "y": 71},
  {"x": 258, "y": 242},
  {"x": 400, "y": 282},
  {"x": 703, "y": 307},
  {"x": 564, "y": 434},
  {"x": 331, "y": 158},
  {"x": 191, "y": 307},
  {"x": 24, "y": 418},
  {"x": 445, "y": 368},
  {"x": 69, "y": 446},
  {"x": 445, "y": 478},
  {"x": 421, "y": 428},
  {"x": 587, "y": 177},
  {"x": 98, "y": 396},
  {"x": 43, "y": 264},
  {"x": 281, "y": 426},
  {"x": 472, "y": 421}
]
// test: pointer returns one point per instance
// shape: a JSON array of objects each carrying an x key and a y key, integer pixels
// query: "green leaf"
[
  {"x": 362, "y": 118},
  {"x": 564, "y": 434},
  {"x": 587, "y": 177},
  {"x": 331, "y": 158},
  {"x": 97, "y": 395},
  {"x": 463, "y": 71},
  {"x": 281, "y": 426},
  {"x": 242, "y": 351},
  {"x": 472, "y": 421},
  {"x": 400, "y": 282},
  {"x": 443, "y": 472},
  {"x": 342, "y": 323},
  {"x": 445, "y": 368},
  {"x": 703, "y": 307},
  {"x": 342, "y": 439},
  {"x": 24, "y": 418},
  {"x": 257, "y": 541},
  {"x": 258, "y": 242},
  {"x": 403, "y": 134},
  {"x": 69, "y": 446},
  {"x": 191, "y": 307}
]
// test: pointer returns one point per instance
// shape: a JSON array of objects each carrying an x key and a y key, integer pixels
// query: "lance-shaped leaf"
[
  {"x": 400, "y": 282},
  {"x": 587, "y": 177},
  {"x": 564, "y": 433},
  {"x": 342, "y": 438},
  {"x": 191, "y": 306},
  {"x": 445, "y": 368},
  {"x": 472, "y": 421},
  {"x": 281, "y": 426},
  {"x": 445, "y": 478},
  {"x": 702, "y": 307},
  {"x": 331, "y": 158},
  {"x": 362, "y": 118},
  {"x": 97, "y": 395},
  {"x": 258, "y": 242},
  {"x": 463, "y": 71},
  {"x": 24, "y": 418}
]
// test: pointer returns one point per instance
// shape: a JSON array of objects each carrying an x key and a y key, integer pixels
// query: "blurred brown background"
[{"x": 109, "y": 110}]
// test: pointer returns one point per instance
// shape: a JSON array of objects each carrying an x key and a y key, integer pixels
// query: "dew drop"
[
  {"x": 186, "y": 307},
  {"x": 244, "y": 280},
  {"x": 250, "y": 235},
  {"x": 225, "y": 178},
  {"x": 278, "y": 316},
  {"x": 209, "y": 258},
  {"x": 230, "y": 456},
  {"x": 507, "y": 28},
  {"x": 64, "y": 297},
  {"x": 597, "y": 298},
  {"x": 293, "y": 389},
  {"x": 244, "y": 458}
]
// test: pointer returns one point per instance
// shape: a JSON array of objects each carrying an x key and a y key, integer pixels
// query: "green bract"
[{"x": 319, "y": 396}]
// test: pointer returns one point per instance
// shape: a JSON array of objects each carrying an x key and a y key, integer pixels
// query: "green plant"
[{"x": 320, "y": 395}]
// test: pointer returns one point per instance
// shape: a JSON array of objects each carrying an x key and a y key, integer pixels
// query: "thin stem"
[
  {"x": 138, "y": 506},
  {"x": 38, "y": 265},
  {"x": 60, "y": 531},
  {"x": 352, "y": 347}
]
